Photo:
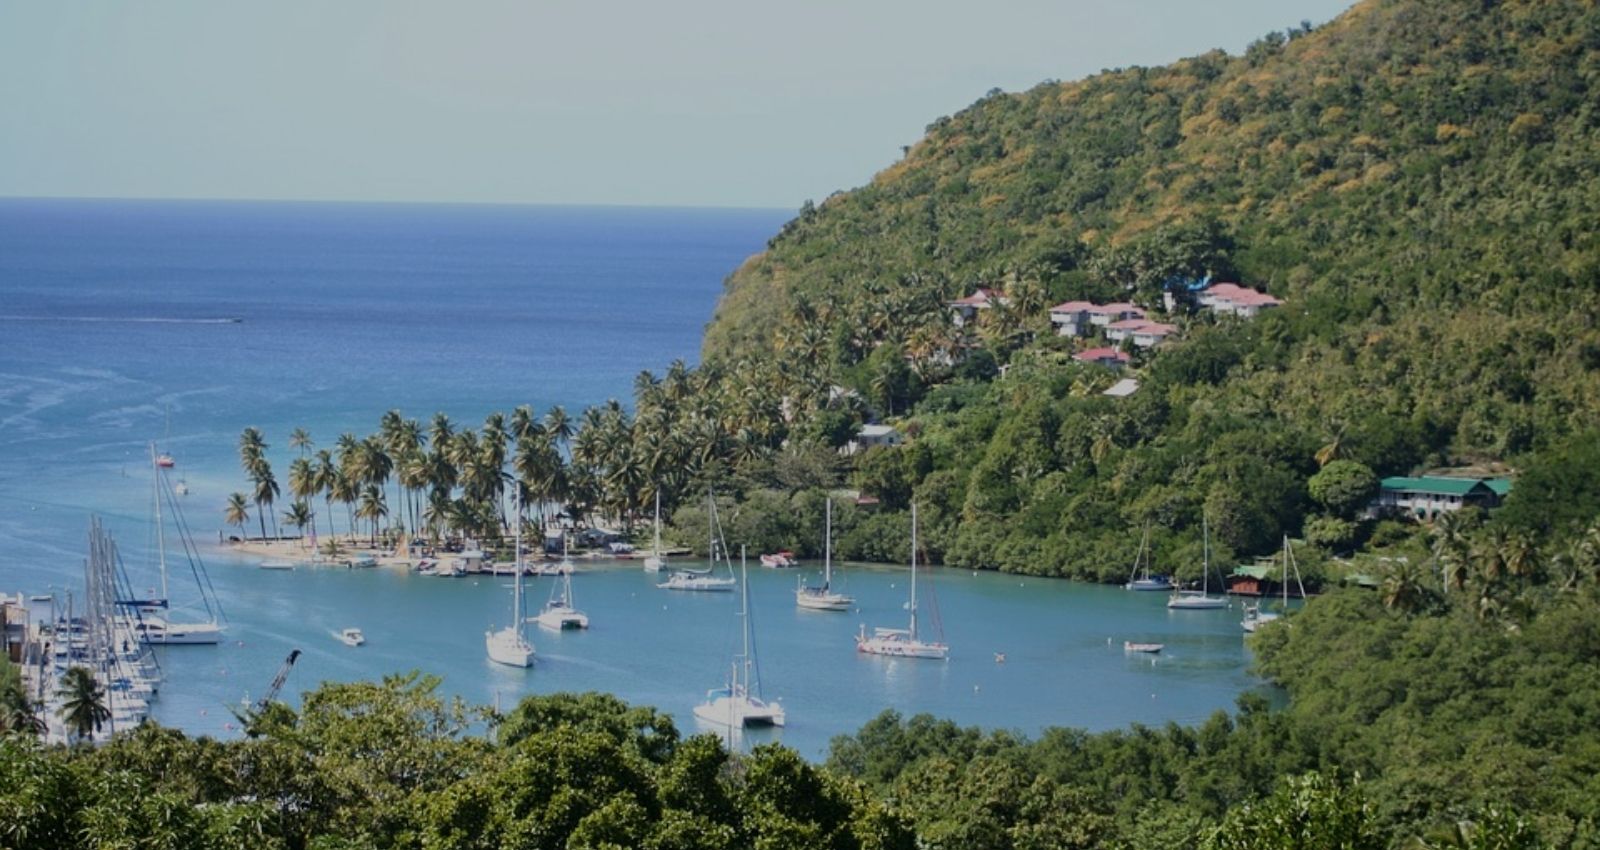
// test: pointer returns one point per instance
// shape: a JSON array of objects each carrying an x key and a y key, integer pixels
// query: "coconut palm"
[
  {"x": 237, "y": 513},
  {"x": 373, "y": 508},
  {"x": 559, "y": 424},
  {"x": 1404, "y": 587},
  {"x": 17, "y": 712},
  {"x": 305, "y": 483},
  {"x": 298, "y": 515},
  {"x": 251, "y": 448},
  {"x": 83, "y": 703},
  {"x": 327, "y": 471},
  {"x": 300, "y": 439},
  {"x": 265, "y": 493}
]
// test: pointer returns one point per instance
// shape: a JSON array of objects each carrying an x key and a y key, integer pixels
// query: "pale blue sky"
[{"x": 698, "y": 102}]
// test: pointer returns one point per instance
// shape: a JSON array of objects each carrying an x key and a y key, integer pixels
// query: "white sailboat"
[
  {"x": 510, "y": 645},
  {"x": 656, "y": 561},
  {"x": 1254, "y": 616},
  {"x": 903, "y": 643},
  {"x": 739, "y": 703},
  {"x": 824, "y": 598},
  {"x": 1198, "y": 600},
  {"x": 705, "y": 580},
  {"x": 558, "y": 612},
  {"x": 1140, "y": 578},
  {"x": 157, "y": 626}
]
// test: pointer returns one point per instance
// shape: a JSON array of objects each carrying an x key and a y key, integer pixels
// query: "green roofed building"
[{"x": 1428, "y": 496}]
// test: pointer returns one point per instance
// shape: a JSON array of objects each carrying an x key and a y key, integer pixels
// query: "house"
[
  {"x": 1071, "y": 318},
  {"x": 1231, "y": 299},
  {"x": 965, "y": 310},
  {"x": 1429, "y": 496},
  {"x": 873, "y": 435},
  {"x": 1101, "y": 315},
  {"x": 1119, "y": 331},
  {"x": 1152, "y": 334},
  {"x": 1110, "y": 358}
]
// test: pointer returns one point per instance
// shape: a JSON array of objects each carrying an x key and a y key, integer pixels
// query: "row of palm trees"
[{"x": 689, "y": 427}]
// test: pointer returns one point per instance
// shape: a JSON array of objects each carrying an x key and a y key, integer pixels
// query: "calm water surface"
[{"x": 109, "y": 338}]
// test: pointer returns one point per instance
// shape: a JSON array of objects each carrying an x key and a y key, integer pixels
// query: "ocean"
[{"x": 183, "y": 322}]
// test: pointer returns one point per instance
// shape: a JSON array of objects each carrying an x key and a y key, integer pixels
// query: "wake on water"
[{"x": 128, "y": 320}]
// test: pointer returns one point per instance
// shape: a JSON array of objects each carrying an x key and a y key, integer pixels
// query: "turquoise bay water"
[{"x": 109, "y": 338}]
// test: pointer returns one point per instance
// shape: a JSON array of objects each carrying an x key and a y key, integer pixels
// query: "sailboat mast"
[
  {"x": 744, "y": 625},
  {"x": 1205, "y": 557},
  {"x": 913, "y": 570},
  {"x": 658, "y": 521},
  {"x": 827, "y": 548},
  {"x": 516, "y": 602},
  {"x": 1286, "y": 573},
  {"x": 161, "y": 538}
]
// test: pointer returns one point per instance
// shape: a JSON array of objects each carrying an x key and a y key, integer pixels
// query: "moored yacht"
[
  {"x": 903, "y": 643},
  {"x": 739, "y": 703}
]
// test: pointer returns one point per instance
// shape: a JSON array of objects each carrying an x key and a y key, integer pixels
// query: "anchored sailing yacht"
[
  {"x": 735, "y": 705},
  {"x": 1195, "y": 600},
  {"x": 824, "y": 598},
  {"x": 903, "y": 643},
  {"x": 704, "y": 580},
  {"x": 1141, "y": 579},
  {"x": 510, "y": 645},
  {"x": 1254, "y": 616},
  {"x": 156, "y": 624},
  {"x": 656, "y": 560},
  {"x": 558, "y": 613}
]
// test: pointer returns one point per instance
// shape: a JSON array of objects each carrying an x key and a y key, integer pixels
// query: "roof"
[
  {"x": 876, "y": 430},
  {"x": 980, "y": 298},
  {"x": 1072, "y": 307},
  {"x": 1117, "y": 307},
  {"x": 1122, "y": 388},
  {"x": 1435, "y": 485},
  {"x": 1255, "y": 571},
  {"x": 1223, "y": 288},
  {"x": 1097, "y": 354},
  {"x": 1129, "y": 324},
  {"x": 1154, "y": 328}
]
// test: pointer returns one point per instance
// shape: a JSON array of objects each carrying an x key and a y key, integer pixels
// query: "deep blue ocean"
[{"x": 123, "y": 322}]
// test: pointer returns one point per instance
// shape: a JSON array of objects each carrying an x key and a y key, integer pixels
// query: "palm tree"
[
  {"x": 251, "y": 448},
  {"x": 558, "y": 424},
  {"x": 327, "y": 472},
  {"x": 372, "y": 508},
  {"x": 1404, "y": 587},
  {"x": 237, "y": 513},
  {"x": 300, "y": 439},
  {"x": 266, "y": 491},
  {"x": 298, "y": 515},
  {"x": 304, "y": 483},
  {"x": 345, "y": 490},
  {"x": 17, "y": 712},
  {"x": 83, "y": 702}
]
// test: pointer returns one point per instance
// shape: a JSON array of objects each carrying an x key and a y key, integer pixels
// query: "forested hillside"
[{"x": 1414, "y": 179}]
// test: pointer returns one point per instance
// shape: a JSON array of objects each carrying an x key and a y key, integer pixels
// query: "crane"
[{"x": 277, "y": 681}]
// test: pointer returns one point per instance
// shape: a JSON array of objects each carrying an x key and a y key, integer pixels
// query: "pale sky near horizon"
[{"x": 697, "y": 103}]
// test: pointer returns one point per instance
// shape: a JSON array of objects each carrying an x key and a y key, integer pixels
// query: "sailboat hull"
[
  {"x": 1196, "y": 603},
  {"x": 180, "y": 634},
  {"x": 557, "y": 619},
  {"x": 739, "y": 711},
  {"x": 822, "y": 600},
  {"x": 508, "y": 647},
  {"x": 897, "y": 647}
]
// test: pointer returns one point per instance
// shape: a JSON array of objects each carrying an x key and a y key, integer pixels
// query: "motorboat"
[
  {"x": 352, "y": 637},
  {"x": 1152, "y": 648},
  {"x": 778, "y": 560}
]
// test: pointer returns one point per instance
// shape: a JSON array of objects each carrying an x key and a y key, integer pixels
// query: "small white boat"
[
  {"x": 735, "y": 705},
  {"x": 1131, "y": 646},
  {"x": 181, "y": 488},
  {"x": 778, "y": 560},
  {"x": 352, "y": 637},
  {"x": 361, "y": 562},
  {"x": 277, "y": 565},
  {"x": 1141, "y": 578},
  {"x": 903, "y": 643},
  {"x": 510, "y": 645},
  {"x": 824, "y": 598}
]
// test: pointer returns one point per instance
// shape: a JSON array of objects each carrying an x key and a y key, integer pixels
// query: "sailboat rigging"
[
  {"x": 510, "y": 645},
  {"x": 903, "y": 643},
  {"x": 1194, "y": 600},
  {"x": 824, "y": 598},
  {"x": 739, "y": 704}
]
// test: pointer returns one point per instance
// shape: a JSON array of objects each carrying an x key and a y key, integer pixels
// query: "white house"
[
  {"x": 1101, "y": 315},
  {"x": 1110, "y": 358},
  {"x": 1071, "y": 318},
  {"x": 874, "y": 435},
  {"x": 1231, "y": 299},
  {"x": 1152, "y": 334},
  {"x": 966, "y": 309}
]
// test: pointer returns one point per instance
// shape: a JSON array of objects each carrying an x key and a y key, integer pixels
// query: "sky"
[{"x": 692, "y": 103}]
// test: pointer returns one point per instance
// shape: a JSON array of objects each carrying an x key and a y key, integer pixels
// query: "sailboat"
[
  {"x": 1254, "y": 616},
  {"x": 655, "y": 561},
  {"x": 1196, "y": 600},
  {"x": 1140, "y": 578},
  {"x": 735, "y": 705},
  {"x": 903, "y": 643},
  {"x": 510, "y": 645},
  {"x": 704, "y": 580},
  {"x": 558, "y": 613},
  {"x": 824, "y": 598},
  {"x": 156, "y": 626}
]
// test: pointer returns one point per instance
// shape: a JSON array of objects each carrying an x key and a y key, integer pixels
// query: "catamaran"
[
  {"x": 510, "y": 645},
  {"x": 558, "y": 612},
  {"x": 735, "y": 705},
  {"x": 903, "y": 643},
  {"x": 156, "y": 626},
  {"x": 1254, "y": 616},
  {"x": 655, "y": 561},
  {"x": 824, "y": 598},
  {"x": 1140, "y": 578},
  {"x": 705, "y": 580},
  {"x": 1196, "y": 600}
]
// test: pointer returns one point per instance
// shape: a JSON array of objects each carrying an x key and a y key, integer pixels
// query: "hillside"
[{"x": 1413, "y": 179}]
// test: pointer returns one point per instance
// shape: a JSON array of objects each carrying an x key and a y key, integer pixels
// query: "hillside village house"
[
  {"x": 1144, "y": 333},
  {"x": 1071, "y": 318},
  {"x": 1110, "y": 358},
  {"x": 965, "y": 310},
  {"x": 873, "y": 435},
  {"x": 1231, "y": 299},
  {"x": 1101, "y": 315},
  {"x": 1428, "y": 496}
]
